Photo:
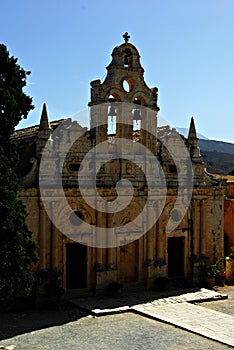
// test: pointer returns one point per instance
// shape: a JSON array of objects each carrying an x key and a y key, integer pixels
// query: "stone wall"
[{"x": 229, "y": 218}]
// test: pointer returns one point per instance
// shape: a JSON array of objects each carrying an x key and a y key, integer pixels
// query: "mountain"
[
  {"x": 218, "y": 156},
  {"x": 216, "y": 146},
  {"x": 184, "y": 132}
]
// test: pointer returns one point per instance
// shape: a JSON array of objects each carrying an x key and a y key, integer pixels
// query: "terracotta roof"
[
  {"x": 229, "y": 178},
  {"x": 31, "y": 132}
]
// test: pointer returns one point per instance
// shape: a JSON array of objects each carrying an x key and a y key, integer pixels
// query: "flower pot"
[
  {"x": 219, "y": 281},
  {"x": 229, "y": 270},
  {"x": 209, "y": 282},
  {"x": 55, "y": 301}
]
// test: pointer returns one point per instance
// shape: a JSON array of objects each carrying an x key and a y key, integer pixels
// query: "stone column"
[
  {"x": 100, "y": 237},
  {"x": 141, "y": 274},
  {"x": 150, "y": 239},
  {"x": 160, "y": 240},
  {"x": 161, "y": 247},
  {"x": 111, "y": 273},
  {"x": 100, "y": 252},
  {"x": 55, "y": 247},
  {"x": 42, "y": 237},
  {"x": 203, "y": 230},
  {"x": 150, "y": 257},
  {"x": 150, "y": 244},
  {"x": 111, "y": 252},
  {"x": 99, "y": 255},
  {"x": 196, "y": 227},
  {"x": 124, "y": 130}
]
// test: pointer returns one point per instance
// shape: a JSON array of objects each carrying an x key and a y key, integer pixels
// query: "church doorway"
[
  {"x": 76, "y": 266},
  {"x": 128, "y": 262},
  {"x": 175, "y": 250}
]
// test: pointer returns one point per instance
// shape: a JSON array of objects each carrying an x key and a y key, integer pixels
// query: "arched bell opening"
[
  {"x": 112, "y": 113},
  {"x": 136, "y": 115},
  {"x": 115, "y": 95},
  {"x": 127, "y": 58},
  {"x": 138, "y": 99}
]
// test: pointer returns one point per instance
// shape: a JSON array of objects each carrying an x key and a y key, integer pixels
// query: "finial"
[
  {"x": 192, "y": 129},
  {"x": 44, "y": 122},
  {"x": 126, "y": 37}
]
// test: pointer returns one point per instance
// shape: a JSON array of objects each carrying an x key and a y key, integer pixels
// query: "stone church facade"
[{"x": 197, "y": 240}]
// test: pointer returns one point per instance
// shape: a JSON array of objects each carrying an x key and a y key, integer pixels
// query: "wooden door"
[{"x": 128, "y": 262}]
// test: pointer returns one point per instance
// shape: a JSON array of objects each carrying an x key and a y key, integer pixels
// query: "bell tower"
[{"x": 123, "y": 88}]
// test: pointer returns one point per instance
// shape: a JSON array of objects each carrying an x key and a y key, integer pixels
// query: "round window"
[
  {"x": 76, "y": 218},
  {"x": 175, "y": 215},
  {"x": 127, "y": 85}
]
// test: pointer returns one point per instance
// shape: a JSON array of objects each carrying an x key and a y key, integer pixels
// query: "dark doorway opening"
[
  {"x": 175, "y": 251},
  {"x": 76, "y": 266}
]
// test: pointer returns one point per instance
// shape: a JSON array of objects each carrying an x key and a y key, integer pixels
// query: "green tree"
[{"x": 17, "y": 247}]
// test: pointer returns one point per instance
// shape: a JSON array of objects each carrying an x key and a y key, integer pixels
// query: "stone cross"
[{"x": 126, "y": 37}]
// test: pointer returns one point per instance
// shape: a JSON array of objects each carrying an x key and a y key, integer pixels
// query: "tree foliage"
[{"x": 17, "y": 247}]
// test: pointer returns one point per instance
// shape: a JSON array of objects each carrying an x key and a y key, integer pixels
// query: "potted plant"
[
  {"x": 217, "y": 272},
  {"x": 114, "y": 288},
  {"x": 230, "y": 267},
  {"x": 49, "y": 288},
  {"x": 54, "y": 287}
]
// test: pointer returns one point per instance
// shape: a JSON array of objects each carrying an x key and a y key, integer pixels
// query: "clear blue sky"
[{"x": 186, "y": 47}]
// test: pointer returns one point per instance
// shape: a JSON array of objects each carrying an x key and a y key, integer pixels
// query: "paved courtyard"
[
  {"x": 131, "y": 331},
  {"x": 116, "y": 332}
]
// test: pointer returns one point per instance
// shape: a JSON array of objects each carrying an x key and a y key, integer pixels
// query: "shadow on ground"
[
  {"x": 15, "y": 323},
  {"x": 116, "y": 297}
]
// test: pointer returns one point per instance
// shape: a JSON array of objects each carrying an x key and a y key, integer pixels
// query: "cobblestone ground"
[{"x": 123, "y": 331}]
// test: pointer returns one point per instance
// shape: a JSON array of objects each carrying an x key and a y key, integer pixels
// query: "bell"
[
  {"x": 136, "y": 114},
  {"x": 137, "y": 101},
  {"x": 112, "y": 111}
]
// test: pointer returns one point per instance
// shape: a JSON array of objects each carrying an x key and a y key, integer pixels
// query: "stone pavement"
[
  {"x": 194, "y": 318},
  {"x": 179, "y": 311},
  {"x": 99, "y": 306},
  {"x": 125, "y": 331}
]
